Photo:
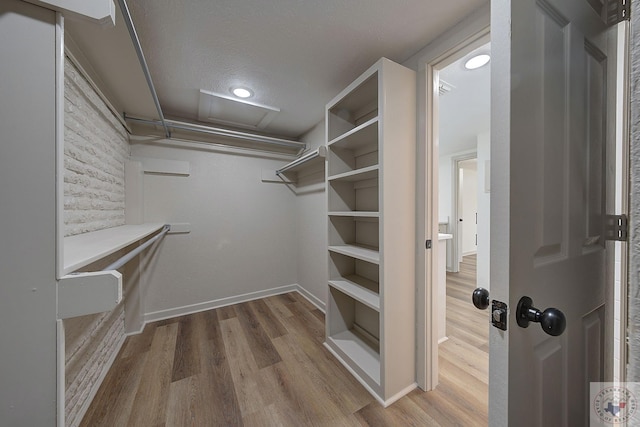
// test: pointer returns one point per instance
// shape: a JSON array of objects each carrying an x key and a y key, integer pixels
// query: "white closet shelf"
[
  {"x": 361, "y": 136},
  {"x": 359, "y": 252},
  {"x": 83, "y": 249},
  {"x": 358, "y": 288},
  {"x": 357, "y": 175},
  {"x": 312, "y": 157},
  {"x": 350, "y": 346},
  {"x": 356, "y": 214}
]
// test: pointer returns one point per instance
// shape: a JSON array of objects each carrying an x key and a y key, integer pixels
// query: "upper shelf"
[
  {"x": 83, "y": 249},
  {"x": 310, "y": 158},
  {"x": 361, "y": 174},
  {"x": 365, "y": 135}
]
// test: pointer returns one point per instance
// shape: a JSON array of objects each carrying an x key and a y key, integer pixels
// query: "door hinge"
[
  {"x": 612, "y": 12},
  {"x": 620, "y": 11},
  {"x": 617, "y": 228}
]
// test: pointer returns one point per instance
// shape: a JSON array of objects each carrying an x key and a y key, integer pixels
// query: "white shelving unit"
[{"x": 370, "y": 322}]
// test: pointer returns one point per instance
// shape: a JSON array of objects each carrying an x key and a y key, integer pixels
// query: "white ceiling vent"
[
  {"x": 445, "y": 87},
  {"x": 217, "y": 108}
]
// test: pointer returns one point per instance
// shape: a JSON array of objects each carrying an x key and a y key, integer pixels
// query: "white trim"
[
  {"x": 61, "y": 367},
  {"x": 222, "y": 302},
  {"x": 59, "y": 141},
  {"x": 363, "y": 382},
  {"x": 59, "y": 220},
  {"x": 399, "y": 395},
  {"x": 470, "y": 33},
  {"x": 454, "y": 223},
  {"x": 312, "y": 298},
  {"x": 622, "y": 183}
]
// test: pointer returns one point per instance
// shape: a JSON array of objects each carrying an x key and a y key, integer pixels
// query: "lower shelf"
[
  {"x": 359, "y": 288},
  {"x": 358, "y": 354}
]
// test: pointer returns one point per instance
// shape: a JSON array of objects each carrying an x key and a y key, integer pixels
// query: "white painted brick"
[{"x": 96, "y": 148}]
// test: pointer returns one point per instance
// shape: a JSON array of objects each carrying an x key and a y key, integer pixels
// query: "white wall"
[
  {"x": 28, "y": 212},
  {"x": 311, "y": 222},
  {"x": 243, "y": 232}
]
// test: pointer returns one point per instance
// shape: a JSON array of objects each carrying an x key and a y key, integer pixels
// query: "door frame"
[
  {"x": 468, "y": 35},
  {"x": 471, "y": 33},
  {"x": 456, "y": 246}
]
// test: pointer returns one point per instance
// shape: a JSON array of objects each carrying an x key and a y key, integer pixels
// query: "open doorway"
[{"x": 463, "y": 142}]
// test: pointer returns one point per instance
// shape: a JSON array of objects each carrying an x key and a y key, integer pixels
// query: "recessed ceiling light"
[
  {"x": 242, "y": 92},
  {"x": 477, "y": 61}
]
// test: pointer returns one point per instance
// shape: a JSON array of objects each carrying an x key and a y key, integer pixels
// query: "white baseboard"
[
  {"x": 223, "y": 302},
  {"x": 312, "y": 298}
]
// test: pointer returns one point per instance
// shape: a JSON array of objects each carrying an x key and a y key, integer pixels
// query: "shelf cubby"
[
  {"x": 356, "y": 278},
  {"x": 348, "y": 231},
  {"x": 356, "y": 334},
  {"x": 353, "y": 196},
  {"x": 354, "y": 109},
  {"x": 355, "y": 150}
]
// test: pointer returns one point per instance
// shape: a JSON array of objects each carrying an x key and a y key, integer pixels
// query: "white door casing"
[
  {"x": 550, "y": 128},
  {"x": 469, "y": 201}
]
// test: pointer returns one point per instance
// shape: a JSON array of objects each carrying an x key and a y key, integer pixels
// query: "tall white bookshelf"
[{"x": 371, "y": 140}]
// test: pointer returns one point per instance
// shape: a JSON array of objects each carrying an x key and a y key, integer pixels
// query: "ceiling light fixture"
[
  {"x": 477, "y": 61},
  {"x": 242, "y": 92}
]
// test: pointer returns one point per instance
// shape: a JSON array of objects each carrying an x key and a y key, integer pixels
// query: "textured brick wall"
[
  {"x": 634, "y": 246},
  {"x": 96, "y": 147}
]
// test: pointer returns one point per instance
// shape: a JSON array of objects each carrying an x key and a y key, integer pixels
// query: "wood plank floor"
[{"x": 262, "y": 363}]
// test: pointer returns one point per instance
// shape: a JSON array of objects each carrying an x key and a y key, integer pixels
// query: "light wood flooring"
[{"x": 262, "y": 363}]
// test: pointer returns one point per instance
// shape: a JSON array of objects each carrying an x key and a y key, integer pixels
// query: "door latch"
[{"x": 499, "y": 315}]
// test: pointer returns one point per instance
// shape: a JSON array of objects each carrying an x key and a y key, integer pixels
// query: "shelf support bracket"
[{"x": 80, "y": 294}]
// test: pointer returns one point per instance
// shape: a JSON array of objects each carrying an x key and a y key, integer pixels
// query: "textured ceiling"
[{"x": 294, "y": 54}]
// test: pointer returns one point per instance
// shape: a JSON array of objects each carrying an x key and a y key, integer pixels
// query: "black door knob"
[
  {"x": 480, "y": 298},
  {"x": 551, "y": 320}
]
